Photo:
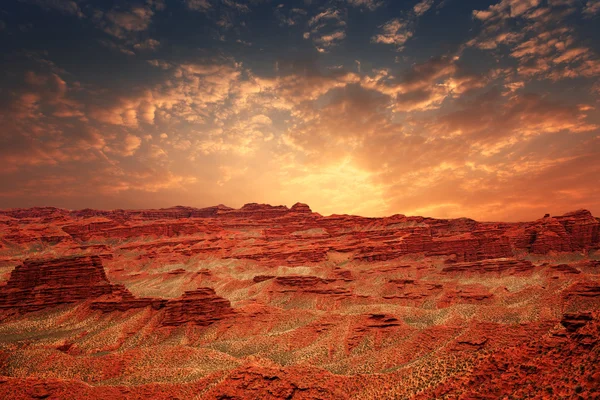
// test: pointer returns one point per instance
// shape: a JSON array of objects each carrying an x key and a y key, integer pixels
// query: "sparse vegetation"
[{"x": 305, "y": 299}]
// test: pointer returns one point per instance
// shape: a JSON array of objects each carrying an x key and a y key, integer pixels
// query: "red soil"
[{"x": 271, "y": 302}]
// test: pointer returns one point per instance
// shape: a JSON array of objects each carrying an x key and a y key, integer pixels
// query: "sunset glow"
[{"x": 442, "y": 108}]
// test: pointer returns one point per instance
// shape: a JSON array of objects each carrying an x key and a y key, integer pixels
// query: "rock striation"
[
  {"x": 39, "y": 284},
  {"x": 504, "y": 266},
  {"x": 297, "y": 236},
  {"x": 201, "y": 307}
]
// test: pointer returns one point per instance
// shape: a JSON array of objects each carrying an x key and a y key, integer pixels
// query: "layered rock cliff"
[
  {"x": 296, "y": 235},
  {"x": 39, "y": 284}
]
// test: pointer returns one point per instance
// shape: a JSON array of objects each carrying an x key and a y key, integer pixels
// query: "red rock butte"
[{"x": 271, "y": 302}]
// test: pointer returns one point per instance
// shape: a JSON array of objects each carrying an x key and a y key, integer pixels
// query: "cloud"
[
  {"x": 43, "y": 126},
  {"x": 425, "y": 85},
  {"x": 422, "y": 7},
  {"x": 50, "y": 91},
  {"x": 394, "y": 32},
  {"x": 480, "y": 150},
  {"x": 496, "y": 190},
  {"x": 398, "y": 31},
  {"x": 121, "y": 23},
  {"x": 442, "y": 136},
  {"x": 289, "y": 17},
  {"x": 351, "y": 115},
  {"x": 225, "y": 13},
  {"x": 130, "y": 144},
  {"x": 162, "y": 64},
  {"x": 66, "y": 7},
  {"x": 295, "y": 90},
  {"x": 329, "y": 40},
  {"x": 484, "y": 161},
  {"x": 368, "y": 4},
  {"x": 490, "y": 119},
  {"x": 148, "y": 44},
  {"x": 543, "y": 45},
  {"x": 327, "y": 29},
  {"x": 242, "y": 135},
  {"x": 97, "y": 186},
  {"x": 198, "y": 5},
  {"x": 592, "y": 8},
  {"x": 506, "y": 9},
  {"x": 40, "y": 150},
  {"x": 188, "y": 94}
]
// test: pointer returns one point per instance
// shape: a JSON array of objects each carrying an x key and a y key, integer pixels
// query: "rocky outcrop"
[
  {"x": 254, "y": 382},
  {"x": 279, "y": 254},
  {"x": 377, "y": 326},
  {"x": 34, "y": 212},
  {"x": 510, "y": 266},
  {"x": 468, "y": 294},
  {"x": 563, "y": 269},
  {"x": 575, "y": 231},
  {"x": 549, "y": 235},
  {"x": 311, "y": 285},
  {"x": 256, "y": 211},
  {"x": 463, "y": 247},
  {"x": 302, "y": 281},
  {"x": 562, "y": 364},
  {"x": 262, "y": 278},
  {"x": 84, "y": 230},
  {"x": 296, "y": 236},
  {"x": 121, "y": 299},
  {"x": 301, "y": 208},
  {"x": 39, "y": 284},
  {"x": 573, "y": 321},
  {"x": 201, "y": 307},
  {"x": 584, "y": 289},
  {"x": 411, "y": 289},
  {"x": 582, "y": 227}
]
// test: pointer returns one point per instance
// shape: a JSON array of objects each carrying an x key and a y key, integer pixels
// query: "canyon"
[{"x": 271, "y": 302}]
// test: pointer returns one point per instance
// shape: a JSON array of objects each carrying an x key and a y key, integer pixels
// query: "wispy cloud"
[
  {"x": 368, "y": 4},
  {"x": 327, "y": 29},
  {"x": 398, "y": 31}
]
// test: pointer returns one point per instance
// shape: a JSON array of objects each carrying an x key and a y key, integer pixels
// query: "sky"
[{"x": 441, "y": 108}]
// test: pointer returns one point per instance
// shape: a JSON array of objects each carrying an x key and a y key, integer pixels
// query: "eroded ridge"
[{"x": 277, "y": 302}]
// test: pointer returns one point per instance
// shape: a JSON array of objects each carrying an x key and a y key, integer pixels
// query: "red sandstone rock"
[
  {"x": 582, "y": 227},
  {"x": 574, "y": 321},
  {"x": 262, "y": 278},
  {"x": 121, "y": 299},
  {"x": 379, "y": 239},
  {"x": 35, "y": 285},
  {"x": 562, "y": 364},
  {"x": 311, "y": 285},
  {"x": 564, "y": 269},
  {"x": 378, "y": 307},
  {"x": 584, "y": 289},
  {"x": 468, "y": 294},
  {"x": 503, "y": 266},
  {"x": 301, "y": 208},
  {"x": 201, "y": 307}
]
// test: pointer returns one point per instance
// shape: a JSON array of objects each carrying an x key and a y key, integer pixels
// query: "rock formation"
[
  {"x": 276, "y": 302},
  {"x": 39, "y": 284},
  {"x": 201, "y": 307}
]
